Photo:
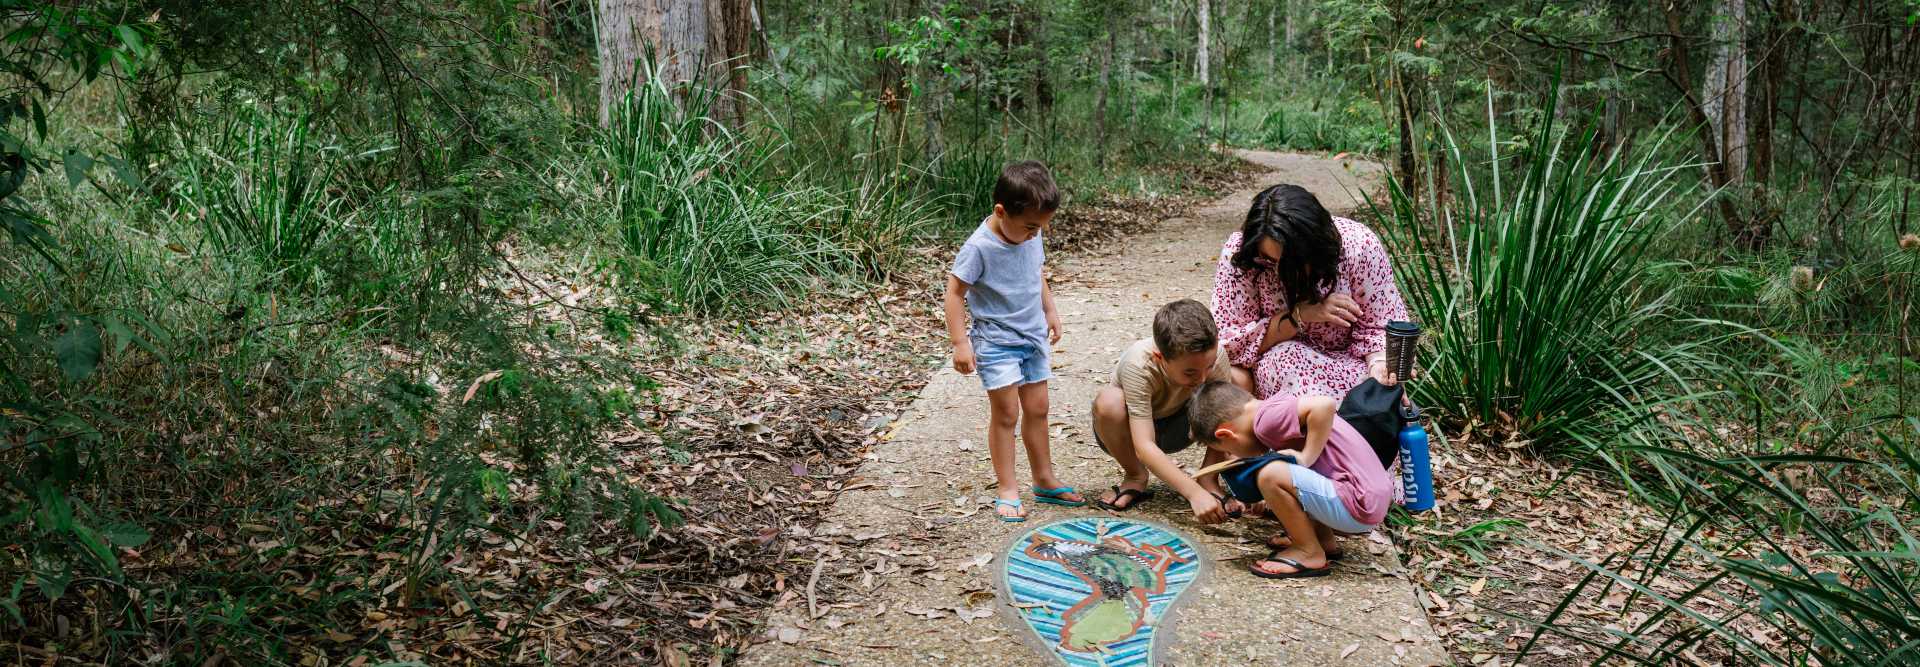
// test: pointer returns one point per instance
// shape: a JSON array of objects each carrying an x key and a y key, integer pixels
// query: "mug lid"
[{"x": 1403, "y": 327}]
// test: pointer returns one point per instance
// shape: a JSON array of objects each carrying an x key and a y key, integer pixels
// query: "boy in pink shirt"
[{"x": 1327, "y": 479}]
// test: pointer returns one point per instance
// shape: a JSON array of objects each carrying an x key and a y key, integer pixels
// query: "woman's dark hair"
[{"x": 1309, "y": 243}]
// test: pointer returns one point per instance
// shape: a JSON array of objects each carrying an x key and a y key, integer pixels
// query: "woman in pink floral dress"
[{"x": 1303, "y": 298}]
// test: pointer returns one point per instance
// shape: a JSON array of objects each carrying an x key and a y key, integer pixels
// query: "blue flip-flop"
[
  {"x": 1052, "y": 497},
  {"x": 998, "y": 502}
]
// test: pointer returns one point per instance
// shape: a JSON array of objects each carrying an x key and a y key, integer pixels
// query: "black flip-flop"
[
  {"x": 1299, "y": 571},
  {"x": 1331, "y": 556},
  {"x": 1138, "y": 495}
]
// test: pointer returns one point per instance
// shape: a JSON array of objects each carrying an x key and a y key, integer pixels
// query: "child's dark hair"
[
  {"x": 1026, "y": 186},
  {"x": 1309, "y": 242},
  {"x": 1184, "y": 327},
  {"x": 1216, "y": 402}
]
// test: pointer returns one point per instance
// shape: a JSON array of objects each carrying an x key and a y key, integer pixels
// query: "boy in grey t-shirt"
[{"x": 998, "y": 276}]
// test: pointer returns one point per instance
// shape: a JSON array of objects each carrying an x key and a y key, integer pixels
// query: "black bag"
[{"x": 1376, "y": 411}]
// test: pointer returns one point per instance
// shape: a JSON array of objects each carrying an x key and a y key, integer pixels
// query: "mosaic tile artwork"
[{"x": 1098, "y": 590}]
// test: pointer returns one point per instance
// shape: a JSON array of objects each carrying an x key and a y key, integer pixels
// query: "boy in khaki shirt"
[{"x": 1142, "y": 417}]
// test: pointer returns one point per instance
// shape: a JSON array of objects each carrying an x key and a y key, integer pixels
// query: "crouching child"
[{"x": 1318, "y": 475}]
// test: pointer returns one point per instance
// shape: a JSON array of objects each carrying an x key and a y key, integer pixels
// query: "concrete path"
[{"x": 919, "y": 589}]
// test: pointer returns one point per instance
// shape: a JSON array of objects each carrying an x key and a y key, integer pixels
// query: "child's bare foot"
[
  {"x": 1281, "y": 541},
  {"x": 1292, "y": 564}
]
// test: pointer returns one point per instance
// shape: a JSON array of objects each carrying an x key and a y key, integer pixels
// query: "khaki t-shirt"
[{"x": 1148, "y": 391}]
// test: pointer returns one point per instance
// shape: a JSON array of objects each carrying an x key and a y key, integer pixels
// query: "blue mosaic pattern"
[{"x": 1083, "y": 573}]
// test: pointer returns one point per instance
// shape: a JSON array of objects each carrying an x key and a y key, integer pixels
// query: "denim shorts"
[
  {"x": 1317, "y": 495},
  {"x": 1003, "y": 366}
]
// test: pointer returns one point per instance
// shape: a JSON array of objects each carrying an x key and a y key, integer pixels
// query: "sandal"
[
  {"x": 1119, "y": 494},
  {"x": 1300, "y": 571},
  {"x": 1009, "y": 518},
  {"x": 1053, "y": 496},
  {"x": 1277, "y": 544}
]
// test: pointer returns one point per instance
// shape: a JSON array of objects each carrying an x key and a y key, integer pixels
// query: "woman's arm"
[
  {"x": 1280, "y": 329},
  {"x": 1316, "y": 422},
  {"x": 1370, "y": 272},
  {"x": 1236, "y": 310}
]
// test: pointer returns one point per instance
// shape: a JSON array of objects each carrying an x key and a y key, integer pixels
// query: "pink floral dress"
[{"x": 1322, "y": 359}]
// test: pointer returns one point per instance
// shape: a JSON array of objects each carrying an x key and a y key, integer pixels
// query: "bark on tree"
[
  {"x": 1200, "y": 59},
  {"x": 1773, "y": 65},
  {"x": 1277, "y": 8},
  {"x": 1100, "y": 94},
  {"x": 1724, "y": 98},
  {"x": 697, "y": 42},
  {"x": 1680, "y": 74},
  {"x": 1202, "y": 62},
  {"x": 1286, "y": 7}
]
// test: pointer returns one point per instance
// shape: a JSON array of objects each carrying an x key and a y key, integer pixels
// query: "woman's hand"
[{"x": 1337, "y": 308}]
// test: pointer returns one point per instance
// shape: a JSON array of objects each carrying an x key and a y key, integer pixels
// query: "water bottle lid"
[{"x": 1411, "y": 413}]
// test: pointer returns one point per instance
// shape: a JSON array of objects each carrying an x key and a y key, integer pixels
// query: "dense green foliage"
[{"x": 283, "y": 278}]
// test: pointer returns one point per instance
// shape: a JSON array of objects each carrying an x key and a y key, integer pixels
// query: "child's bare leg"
[
  {"x": 1003, "y": 410},
  {"x": 1033, "y": 433},
  {"x": 1110, "y": 422},
  {"x": 1328, "y": 541},
  {"x": 1276, "y": 486}
]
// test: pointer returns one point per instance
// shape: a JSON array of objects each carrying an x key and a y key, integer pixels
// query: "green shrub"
[
  {"x": 700, "y": 223},
  {"x": 1530, "y": 288},
  {"x": 258, "y": 189},
  {"x": 1811, "y": 559}
]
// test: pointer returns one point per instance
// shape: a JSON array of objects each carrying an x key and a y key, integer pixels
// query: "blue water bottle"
[{"x": 1416, "y": 471}]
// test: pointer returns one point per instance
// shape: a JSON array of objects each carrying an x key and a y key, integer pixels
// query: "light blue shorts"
[
  {"x": 1322, "y": 502},
  {"x": 1003, "y": 366},
  {"x": 1317, "y": 495}
]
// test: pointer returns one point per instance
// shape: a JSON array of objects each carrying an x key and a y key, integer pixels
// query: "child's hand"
[
  {"x": 963, "y": 358},
  {"x": 1053, "y": 331},
  {"x": 1207, "y": 509}
]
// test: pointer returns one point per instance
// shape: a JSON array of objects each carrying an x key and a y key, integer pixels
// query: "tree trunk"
[
  {"x": 1773, "y": 66},
  {"x": 1100, "y": 94},
  {"x": 691, "y": 42},
  {"x": 1271, "y": 47},
  {"x": 678, "y": 32},
  {"x": 1724, "y": 98},
  {"x": 1287, "y": 7},
  {"x": 1680, "y": 74},
  {"x": 1202, "y": 62},
  {"x": 1200, "y": 58}
]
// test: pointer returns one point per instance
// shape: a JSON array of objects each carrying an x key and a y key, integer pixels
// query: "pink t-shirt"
[{"x": 1347, "y": 460}]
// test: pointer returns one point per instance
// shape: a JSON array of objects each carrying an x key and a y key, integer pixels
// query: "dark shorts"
[
  {"x": 1243, "y": 481},
  {"x": 1169, "y": 432}
]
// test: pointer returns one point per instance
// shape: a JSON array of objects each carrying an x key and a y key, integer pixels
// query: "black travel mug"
[{"x": 1401, "y": 340}]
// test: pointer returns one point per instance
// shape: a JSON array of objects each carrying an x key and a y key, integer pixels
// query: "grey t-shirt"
[{"x": 1006, "y": 287}]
